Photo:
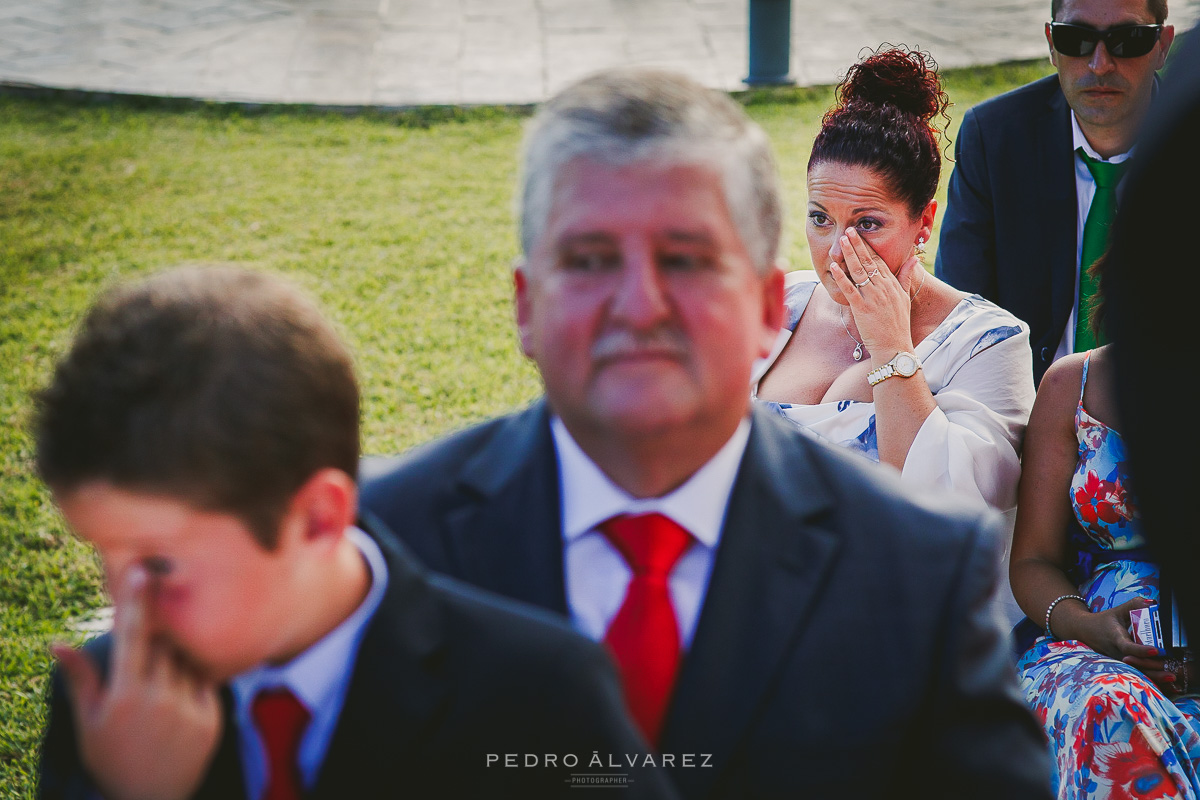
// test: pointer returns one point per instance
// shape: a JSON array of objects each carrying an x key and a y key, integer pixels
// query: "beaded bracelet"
[{"x": 1050, "y": 610}]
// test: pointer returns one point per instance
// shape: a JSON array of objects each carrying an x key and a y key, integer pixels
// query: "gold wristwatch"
[{"x": 903, "y": 364}]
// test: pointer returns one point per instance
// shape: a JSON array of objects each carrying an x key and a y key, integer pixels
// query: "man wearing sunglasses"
[{"x": 1038, "y": 170}]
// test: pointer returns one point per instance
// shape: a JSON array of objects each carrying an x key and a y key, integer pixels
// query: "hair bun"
[
  {"x": 896, "y": 76},
  {"x": 884, "y": 120}
]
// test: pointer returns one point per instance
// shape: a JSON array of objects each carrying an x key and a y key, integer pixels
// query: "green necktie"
[{"x": 1095, "y": 241}]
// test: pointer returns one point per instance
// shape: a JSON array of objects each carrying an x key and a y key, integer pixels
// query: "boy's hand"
[{"x": 152, "y": 730}]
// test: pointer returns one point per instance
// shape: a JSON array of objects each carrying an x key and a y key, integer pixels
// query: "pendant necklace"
[{"x": 858, "y": 346}]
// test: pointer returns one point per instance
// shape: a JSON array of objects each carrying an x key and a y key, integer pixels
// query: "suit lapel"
[
  {"x": 771, "y": 565},
  {"x": 397, "y": 688},
  {"x": 505, "y": 520},
  {"x": 1059, "y": 202}
]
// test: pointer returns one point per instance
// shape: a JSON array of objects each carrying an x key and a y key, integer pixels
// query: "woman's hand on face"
[{"x": 880, "y": 301}]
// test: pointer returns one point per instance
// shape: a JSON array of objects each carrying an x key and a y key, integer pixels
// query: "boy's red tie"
[{"x": 281, "y": 719}]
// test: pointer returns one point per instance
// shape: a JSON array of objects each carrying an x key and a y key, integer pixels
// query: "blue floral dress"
[{"x": 1112, "y": 733}]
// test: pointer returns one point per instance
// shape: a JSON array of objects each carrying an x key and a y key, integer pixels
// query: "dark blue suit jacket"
[
  {"x": 846, "y": 647},
  {"x": 445, "y": 675},
  {"x": 1009, "y": 232}
]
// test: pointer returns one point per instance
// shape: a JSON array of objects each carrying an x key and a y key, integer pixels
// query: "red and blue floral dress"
[{"x": 1112, "y": 732}]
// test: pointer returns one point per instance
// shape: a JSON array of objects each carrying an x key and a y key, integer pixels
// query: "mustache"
[
  {"x": 1105, "y": 82},
  {"x": 660, "y": 341}
]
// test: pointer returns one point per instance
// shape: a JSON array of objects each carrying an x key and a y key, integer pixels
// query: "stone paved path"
[{"x": 404, "y": 52}]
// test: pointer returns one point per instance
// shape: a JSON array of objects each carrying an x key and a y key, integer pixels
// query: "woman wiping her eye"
[{"x": 878, "y": 355}]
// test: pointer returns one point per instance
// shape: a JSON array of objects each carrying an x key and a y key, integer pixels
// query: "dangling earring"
[{"x": 921, "y": 248}]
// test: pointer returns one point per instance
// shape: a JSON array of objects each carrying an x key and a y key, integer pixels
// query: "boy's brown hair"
[{"x": 220, "y": 387}]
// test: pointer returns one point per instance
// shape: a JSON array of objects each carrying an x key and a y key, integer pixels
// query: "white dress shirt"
[
  {"x": 1085, "y": 190},
  {"x": 319, "y": 677},
  {"x": 596, "y": 573}
]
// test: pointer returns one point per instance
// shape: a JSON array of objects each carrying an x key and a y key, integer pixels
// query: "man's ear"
[
  {"x": 773, "y": 313},
  {"x": 521, "y": 291},
  {"x": 1050, "y": 42},
  {"x": 1164, "y": 46},
  {"x": 323, "y": 507}
]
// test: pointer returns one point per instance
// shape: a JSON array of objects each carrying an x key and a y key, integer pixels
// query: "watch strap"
[{"x": 881, "y": 374}]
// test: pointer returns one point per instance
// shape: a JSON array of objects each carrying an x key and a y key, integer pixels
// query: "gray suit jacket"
[{"x": 846, "y": 646}]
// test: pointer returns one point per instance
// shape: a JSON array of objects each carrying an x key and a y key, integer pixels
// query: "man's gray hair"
[{"x": 623, "y": 116}]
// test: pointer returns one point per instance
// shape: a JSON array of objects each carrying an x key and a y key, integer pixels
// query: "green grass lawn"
[{"x": 400, "y": 224}]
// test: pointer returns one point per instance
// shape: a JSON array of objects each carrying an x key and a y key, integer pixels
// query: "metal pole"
[{"x": 770, "y": 43}]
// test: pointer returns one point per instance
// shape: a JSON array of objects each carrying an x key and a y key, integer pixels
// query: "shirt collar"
[
  {"x": 589, "y": 497},
  {"x": 1078, "y": 140},
  {"x": 316, "y": 675}
]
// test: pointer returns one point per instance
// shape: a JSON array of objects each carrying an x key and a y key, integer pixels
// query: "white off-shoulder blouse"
[{"x": 979, "y": 366}]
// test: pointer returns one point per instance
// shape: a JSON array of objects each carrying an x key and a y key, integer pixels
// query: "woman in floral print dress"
[{"x": 1116, "y": 724}]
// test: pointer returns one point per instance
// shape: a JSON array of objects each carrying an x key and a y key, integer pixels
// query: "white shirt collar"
[
  {"x": 589, "y": 497},
  {"x": 1078, "y": 140},
  {"x": 320, "y": 675}
]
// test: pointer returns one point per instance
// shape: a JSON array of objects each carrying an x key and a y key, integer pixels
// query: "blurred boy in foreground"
[{"x": 202, "y": 433}]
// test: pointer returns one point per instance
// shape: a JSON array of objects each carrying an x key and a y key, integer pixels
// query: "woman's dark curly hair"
[{"x": 883, "y": 121}]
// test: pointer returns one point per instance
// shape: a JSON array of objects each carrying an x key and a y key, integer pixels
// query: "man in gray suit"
[{"x": 787, "y": 621}]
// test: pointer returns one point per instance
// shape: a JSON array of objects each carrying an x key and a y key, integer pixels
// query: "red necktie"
[
  {"x": 644, "y": 636},
  {"x": 281, "y": 720}
]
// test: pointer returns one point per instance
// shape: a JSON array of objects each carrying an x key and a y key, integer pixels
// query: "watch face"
[{"x": 906, "y": 365}]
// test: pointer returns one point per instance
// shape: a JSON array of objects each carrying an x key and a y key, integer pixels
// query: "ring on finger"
[{"x": 870, "y": 275}]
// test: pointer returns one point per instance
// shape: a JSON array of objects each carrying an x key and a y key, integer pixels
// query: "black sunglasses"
[{"x": 1124, "y": 41}]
